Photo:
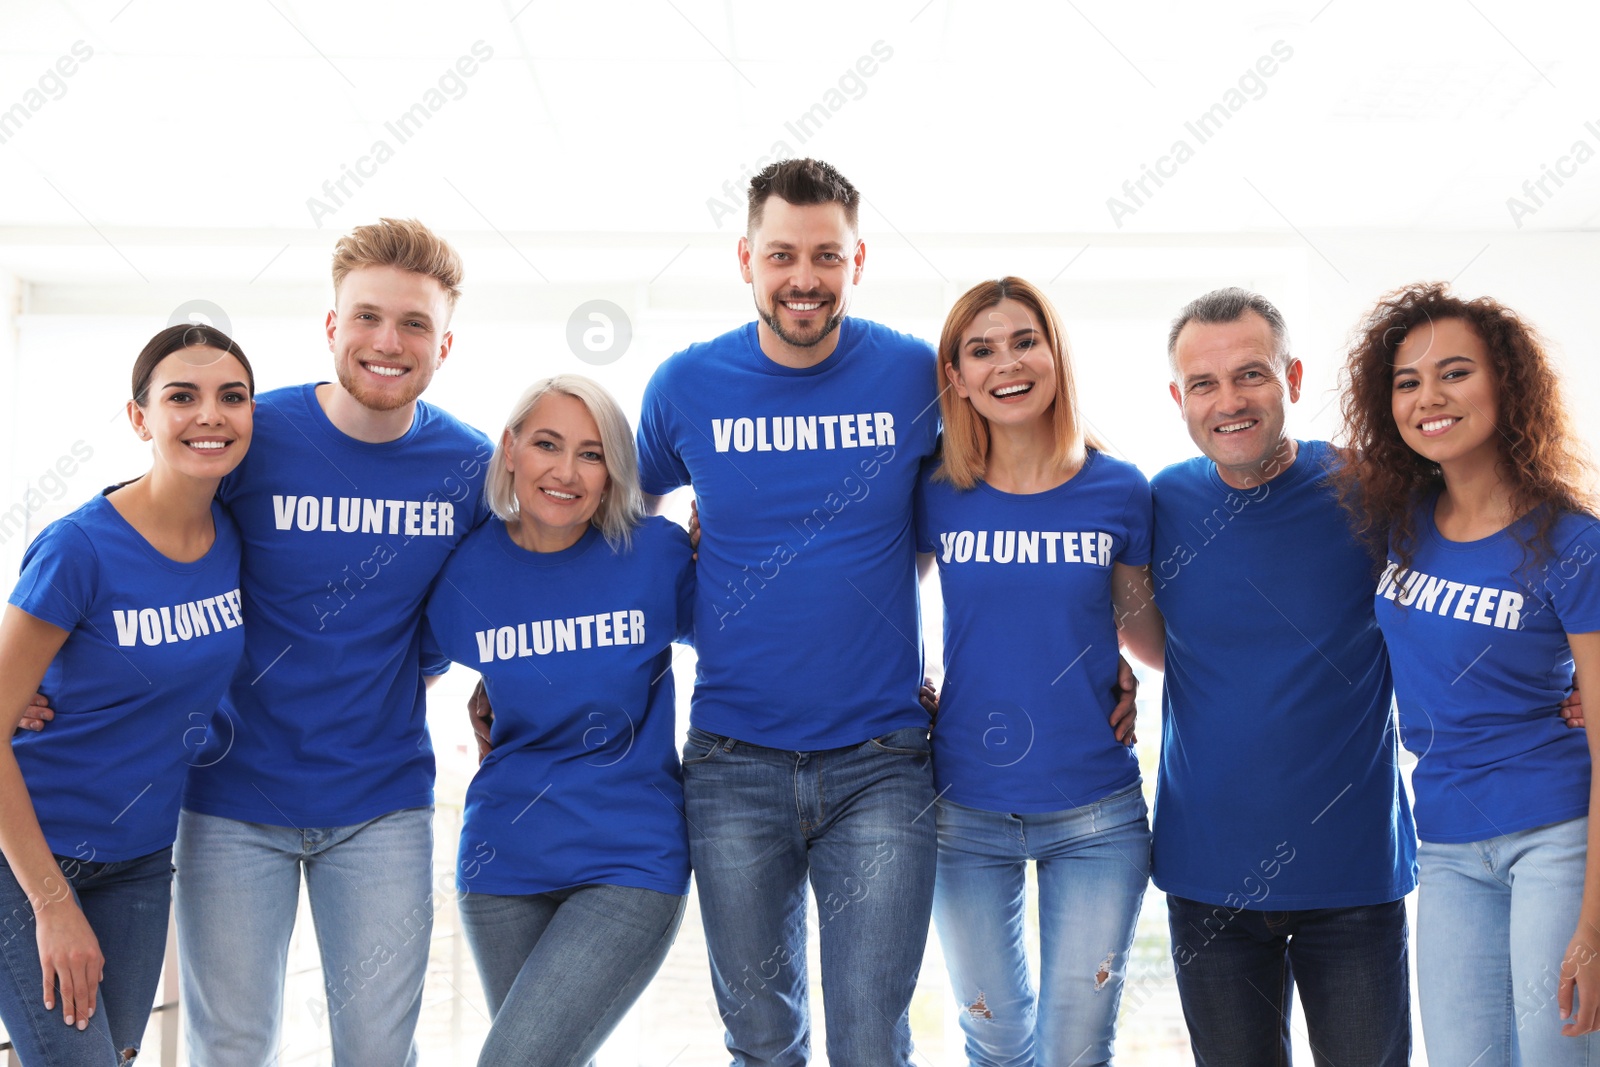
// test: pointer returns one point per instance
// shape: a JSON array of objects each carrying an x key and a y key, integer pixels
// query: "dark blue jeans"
[
  {"x": 857, "y": 824},
  {"x": 1235, "y": 969},
  {"x": 126, "y": 903}
]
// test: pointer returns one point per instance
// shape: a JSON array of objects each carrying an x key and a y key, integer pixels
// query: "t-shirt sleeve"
[
  {"x": 60, "y": 573},
  {"x": 927, "y": 423},
  {"x": 661, "y": 467},
  {"x": 919, "y": 510},
  {"x": 434, "y": 661},
  {"x": 685, "y": 591},
  {"x": 1573, "y": 576},
  {"x": 1138, "y": 518},
  {"x": 481, "y": 512},
  {"x": 438, "y": 616}
]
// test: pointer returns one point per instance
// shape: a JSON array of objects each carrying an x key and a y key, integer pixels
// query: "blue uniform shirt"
[
  {"x": 575, "y": 648},
  {"x": 1481, "y": 664},
  {"x": 806, "y": 620},
  {"x": 342, "y": 540},
  {"x": 152, "y": 644},
  {"x": 1030, "y": 644},
  {"x": 1279, "y": 786}
]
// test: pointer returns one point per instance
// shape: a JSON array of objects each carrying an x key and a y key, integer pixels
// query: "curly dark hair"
[{"x": 1383, "y": 480}]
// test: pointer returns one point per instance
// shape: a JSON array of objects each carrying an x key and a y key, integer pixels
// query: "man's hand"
[
  {"x": 928, "y": 697},
  {"x": 482, "y": 716},
  {"x": 1123, "y": 716},
  {"x": 38, "y": 712},
  {"x": 694, "y": 527},
  {"x": 1571, "y": 710}
]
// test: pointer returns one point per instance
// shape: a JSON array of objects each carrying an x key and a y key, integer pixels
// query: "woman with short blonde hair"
[{"x": 574, "y": 856}]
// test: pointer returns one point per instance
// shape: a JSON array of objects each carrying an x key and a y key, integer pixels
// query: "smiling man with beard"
[{"x": 807, "y": 756}]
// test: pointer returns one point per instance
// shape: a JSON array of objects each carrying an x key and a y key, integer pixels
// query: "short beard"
[
  {"x": 365, "y": 397},
  {"x": 771, "y": 319}
]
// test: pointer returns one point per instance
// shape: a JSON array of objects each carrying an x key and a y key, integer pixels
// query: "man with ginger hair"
[{"x": 353, "y": 495}]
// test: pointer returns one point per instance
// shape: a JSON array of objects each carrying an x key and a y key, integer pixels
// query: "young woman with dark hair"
[
  {"x": 127, "y": 617},
  {"x": 1464, "y": 468}
]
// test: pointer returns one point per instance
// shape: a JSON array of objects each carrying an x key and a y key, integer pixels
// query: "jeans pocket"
[
  {"x": 909, "y": 741},
  {"x": 699, "y": 746}
]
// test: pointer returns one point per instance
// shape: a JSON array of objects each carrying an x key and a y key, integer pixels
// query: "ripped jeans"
[{"x": 1093, "y": 863}]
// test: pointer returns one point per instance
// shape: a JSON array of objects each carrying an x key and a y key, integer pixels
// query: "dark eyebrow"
[
  {"x": 1445, "y": 362},
  {"x": 825, "y": 246},
  {"x": 1016, "y": 335},
  {"x": 196, "y": 388}
]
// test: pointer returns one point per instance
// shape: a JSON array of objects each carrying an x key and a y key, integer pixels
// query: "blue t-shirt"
[
  {"x": 152, "y": 643},
  {"x": 1030, "y": 641},
  {"x": 342, "y": 540},
  {"x": 1279, "y": 786},
  {"x": 806, "y": 620},
  {"x": 575, "y": 648},
  {"x": 1481, "y": 664}
]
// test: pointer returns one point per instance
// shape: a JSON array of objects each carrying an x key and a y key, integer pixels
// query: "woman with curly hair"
[{"x": 1464, "y": 466}]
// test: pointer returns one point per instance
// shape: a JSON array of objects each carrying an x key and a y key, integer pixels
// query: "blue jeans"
[
  {"x": 1493, "y": 922},
  {"x": 126, "y": 903},
  {"x": 1235, "y": 968},
  {"x": 561, "y": 969},
  {"x": 858, "y": 822},
  {"x": 371, "y": 900},
  {"x": 1093, "y": 863}
]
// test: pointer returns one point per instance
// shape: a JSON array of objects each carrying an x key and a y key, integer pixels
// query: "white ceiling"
[{"x": 596, "y": 139}]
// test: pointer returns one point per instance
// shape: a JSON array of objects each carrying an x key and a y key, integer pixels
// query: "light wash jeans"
[
  {"x": 1493, "y": 922},
  {"x": 1093, "y": 863},
  {"x": 561, "y": 969},
  {"x": 371, "y": 901},
  {"x": 126, "y": 903},
  {"x": 858, "y": 822}
]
